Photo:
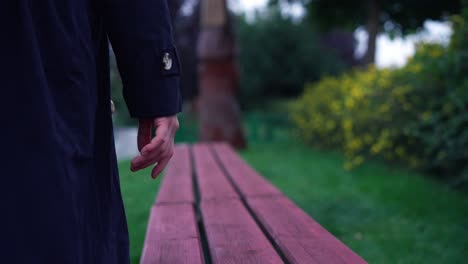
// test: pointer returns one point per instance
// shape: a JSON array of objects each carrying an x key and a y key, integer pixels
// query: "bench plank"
[
  {"x": 177, "y": 184},
  {"x": 301, "y": 239},
  {"x": 212, "y": 182},
  {"x": 233, "y": 236},
  {"x": 172, "y": 236},
  {"x": 247, "y": 180}
]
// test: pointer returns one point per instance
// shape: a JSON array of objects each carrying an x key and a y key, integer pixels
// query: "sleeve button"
[{"x": 167, "y": 61}]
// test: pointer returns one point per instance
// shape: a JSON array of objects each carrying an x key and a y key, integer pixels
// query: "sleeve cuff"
[
  {"x": 151, "y": 89},
  {"x": 161, "y": 99}
]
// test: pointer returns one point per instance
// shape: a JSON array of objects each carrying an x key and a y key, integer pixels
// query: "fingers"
[
  {"x": 151, "y": 152},
  {"x": 154, "y": 152},
  {"x": 144, "y": 161},
  {"x": 144, "y": 133},
  {"x": 160, "y": 167},
  {"x": 158, "y": 150},
  {"x": 158, "y": 142}
]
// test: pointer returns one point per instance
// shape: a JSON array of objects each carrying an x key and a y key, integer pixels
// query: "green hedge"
[
  {"x": 278, "y": 55},
  {"x": 416, "y": 115}
]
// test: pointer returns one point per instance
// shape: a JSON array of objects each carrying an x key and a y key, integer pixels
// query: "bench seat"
[{"x": 212, "y": 207}]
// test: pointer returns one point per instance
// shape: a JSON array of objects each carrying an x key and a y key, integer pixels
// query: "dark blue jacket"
[{"x": 60, "y": 198}]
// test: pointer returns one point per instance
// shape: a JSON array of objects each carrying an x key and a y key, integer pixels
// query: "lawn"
[
  {"x": 139, "y": 192},
  {"x": 385, "y": 214}
]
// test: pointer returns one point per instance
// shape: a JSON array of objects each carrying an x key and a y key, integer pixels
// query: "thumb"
[{"x": 144, "y": 133}]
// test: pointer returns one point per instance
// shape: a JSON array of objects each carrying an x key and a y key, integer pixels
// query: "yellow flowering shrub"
[
  {"x": 354, "y": 113},
  {"x": 416, "y": 115}
]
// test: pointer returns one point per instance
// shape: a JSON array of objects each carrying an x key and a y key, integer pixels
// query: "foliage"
[
  {"x": 279, "y": 55},
  {"x": 395, "y": 16},
  {"x": 268, "y": 123},
  {"x": 389, "y": 16},
  {"x": 354, "y": 112},
  {"x": 416, "y": 115}
]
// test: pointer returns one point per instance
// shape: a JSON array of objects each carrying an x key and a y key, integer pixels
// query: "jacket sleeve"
[{"x": 141, "y": 36}]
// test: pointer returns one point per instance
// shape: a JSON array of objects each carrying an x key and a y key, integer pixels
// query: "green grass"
[
  {"x": 139, "y": 192},
  {"x": 385, "y": 214}
]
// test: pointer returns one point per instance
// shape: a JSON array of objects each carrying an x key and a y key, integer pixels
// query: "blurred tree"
[
  {"x": 278, "y": 55},
  {"x": 389, "y": 16},
  {"x": 343, "y": 43},
  {"x": 416, "y": 114},
  {"x": 217, "y": 107}
]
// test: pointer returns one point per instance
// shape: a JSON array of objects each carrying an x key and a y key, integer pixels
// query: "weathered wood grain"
[
  {"x": 247, "y": 180},
  {"x": 172, "y": 236},
  {"x": 212, "y": 182},
  {"x": 233, "y": 236},
  {"x": 177, "y": 184},
  {"x": 232, "y": 233},
  {"x": 300, "y": 238}
]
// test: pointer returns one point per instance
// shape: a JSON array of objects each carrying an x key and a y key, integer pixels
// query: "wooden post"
[{"x": 218, "y": 110}]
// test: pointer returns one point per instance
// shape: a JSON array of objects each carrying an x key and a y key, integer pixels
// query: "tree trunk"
[
  {"x": 218, "y": 110},
  {"x": 373, "y": 29}
]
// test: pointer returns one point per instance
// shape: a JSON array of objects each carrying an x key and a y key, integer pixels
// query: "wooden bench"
[{"x": 212, "y": 207}]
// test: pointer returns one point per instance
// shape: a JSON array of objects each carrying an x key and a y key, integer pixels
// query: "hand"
[{"x": 159, "y": 149}]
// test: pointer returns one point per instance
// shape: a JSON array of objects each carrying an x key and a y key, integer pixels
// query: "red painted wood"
[
  {"x": 248, "y": 181},
  {"x": 301, "y": 239},
  {"x": 212, "y": 182},
  {"x": 172, "y": 236},
  {"x": 233, "y": 236},
  {"x": 177, "y": 185}
]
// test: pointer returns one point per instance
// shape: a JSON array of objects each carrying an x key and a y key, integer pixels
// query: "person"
[{"x": 60, "y": 199}]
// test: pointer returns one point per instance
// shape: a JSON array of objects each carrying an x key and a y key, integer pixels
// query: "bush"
[
  {"x": 416, "y": 115},
  {"x": 441, "y": 131},
  {"x": 278, "y": 55}
]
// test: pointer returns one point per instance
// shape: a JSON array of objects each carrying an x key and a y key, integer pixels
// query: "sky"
[
  {"x": 390, "y": 52},
  {"x": 251, "y": 4}
]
